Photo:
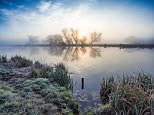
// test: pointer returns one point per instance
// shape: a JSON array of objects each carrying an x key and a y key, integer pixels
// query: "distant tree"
[
  {"x": 67, "y": 36},
  {"x": 32, "y": 40},
  {"x": 55, "y": 39},
  {"x": 75, "y": 35},
  {"x": 50, "y": 39},
  {"x": 58, "y": 39},
  {"x": 72, "y": 36},
  {"x": 95, "y": 37}
]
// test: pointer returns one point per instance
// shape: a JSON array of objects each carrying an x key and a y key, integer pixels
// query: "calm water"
[{"x": 91, "y": 64}]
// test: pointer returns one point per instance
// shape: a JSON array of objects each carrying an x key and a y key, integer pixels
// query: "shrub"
[
  {"x": 37, "y": 64},
  {"x": 61, "y": 75},
  {"x": 58, "y": 74},
  {"x": 21, "y": 61},
  {"x": 3, "y": 59}
]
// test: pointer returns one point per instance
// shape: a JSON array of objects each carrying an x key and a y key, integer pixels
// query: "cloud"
[
  {"x": 44, "y": 6},
  {"x": 50, "y": 17},
  {"x": 47, "y": 18}
]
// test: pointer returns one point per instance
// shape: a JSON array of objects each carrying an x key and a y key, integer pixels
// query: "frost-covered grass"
[
  {"x": 45, "y": 91},
  {"x": 35, "y": 96}
]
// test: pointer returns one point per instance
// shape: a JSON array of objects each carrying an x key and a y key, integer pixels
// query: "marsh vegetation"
[
  {"x": 130, "y": 95},
  {"x": 34, "y": 88}
]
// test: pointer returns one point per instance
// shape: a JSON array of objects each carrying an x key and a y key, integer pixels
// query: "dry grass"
[{"x": 130, "y": 95}]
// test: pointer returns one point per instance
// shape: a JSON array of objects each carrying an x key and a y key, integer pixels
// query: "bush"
[
  {"x": 3, "y": 59},
  {"x": 37, "y": 64},
  {"x": 58, "y": 74},
  {"x": 61, "y": 75},
  {"x": 21, "y": 61}
]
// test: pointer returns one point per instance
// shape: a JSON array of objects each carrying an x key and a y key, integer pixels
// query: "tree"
[
  {"x": 71, "y": 36},
  {"x": 50, "y": 39},
  {"x": 58, "y": 39},
  {"x": 55, "y": 39},
  {"x": 75, "y": 35},
  {"x": 67, "y": 36},
  {"x": 95, "y": 37},
  {"x": 32, "y": 40}
]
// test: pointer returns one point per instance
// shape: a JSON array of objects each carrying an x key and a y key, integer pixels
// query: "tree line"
[{"x": 72, "y": 36}]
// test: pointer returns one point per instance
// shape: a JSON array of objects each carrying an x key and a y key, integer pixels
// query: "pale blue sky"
[{"x": 117, "y": 19}]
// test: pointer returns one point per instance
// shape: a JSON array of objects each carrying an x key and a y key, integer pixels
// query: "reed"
[{"x": 131, "y": 95}]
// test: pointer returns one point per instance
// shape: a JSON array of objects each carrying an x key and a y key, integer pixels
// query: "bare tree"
[
  {"x": 58, "y": 39},
  {"x": 55, "y": 39},
  {"x": 75, "y": 35},
  {"x": 67, "y": 36},
  {"x": 72, "y": 36},
  {"x": 95, "y": 37}
]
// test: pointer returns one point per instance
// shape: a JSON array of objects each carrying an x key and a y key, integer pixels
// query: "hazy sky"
[{"x": 116, "y": 19}]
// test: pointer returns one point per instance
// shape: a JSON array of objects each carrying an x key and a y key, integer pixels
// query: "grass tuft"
[
  {"x": 130, "y": 95},
  {"x": 21, "y": 61}
]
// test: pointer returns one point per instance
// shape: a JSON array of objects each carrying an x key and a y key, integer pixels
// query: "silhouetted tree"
[
  {"x": 67, "y": 36},
  {"x": 55, "y": 39},
  {"x": 58, "y": 39},
  {"x": 95, "y": 37},
  {"x": 72, "y": 36},
  {"x": 75, "y": 35}
]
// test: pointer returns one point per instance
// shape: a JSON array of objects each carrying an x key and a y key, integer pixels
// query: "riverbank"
[
  {"x": 121, "y": 46},
  {"x": 28, "y": 87},
  {"x": 33, "y": 88}
]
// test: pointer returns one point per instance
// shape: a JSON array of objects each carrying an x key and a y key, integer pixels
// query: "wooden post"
[{"x": 82, "y": 83}]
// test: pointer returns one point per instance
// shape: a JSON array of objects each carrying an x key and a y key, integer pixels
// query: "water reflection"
[
  {"x": 74, "y": 53},
  {"x": 89, "y": 65},
  {"x": 57, "y": 51}
]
